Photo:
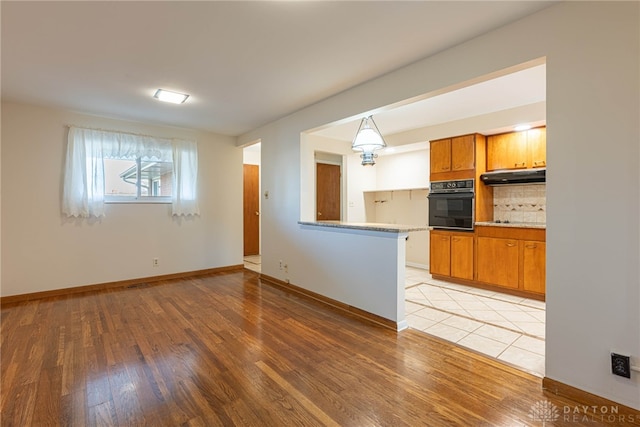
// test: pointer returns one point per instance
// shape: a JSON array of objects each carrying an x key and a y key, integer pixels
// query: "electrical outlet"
[
  {"x": 621, "y": 365},
  {"x": 156, "y": 262},
  {"x": 280, "y": 265},
  {"x": 286, "y": 268}
]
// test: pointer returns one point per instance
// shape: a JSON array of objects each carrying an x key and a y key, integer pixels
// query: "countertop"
[
  {"x": 370, "y": 226},
  {"x": 512, "y": 224}
]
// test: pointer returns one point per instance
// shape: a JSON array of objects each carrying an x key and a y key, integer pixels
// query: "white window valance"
[{"x": 83, "y": 191}]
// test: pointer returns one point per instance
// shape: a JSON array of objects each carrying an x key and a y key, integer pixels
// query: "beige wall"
[{"x": 42, "y": 250}]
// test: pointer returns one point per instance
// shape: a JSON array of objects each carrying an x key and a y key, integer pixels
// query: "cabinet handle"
[
  {"x": 444, "y": 168},
  {"x": 457, "y": 166},
  {"x": 533, "y": 246},
  {"x": 519, "y": 164},
  {"x": 510, "y": 245},
  {"x": 455, "y": 239},
  {"x": 539, "y": 163}
]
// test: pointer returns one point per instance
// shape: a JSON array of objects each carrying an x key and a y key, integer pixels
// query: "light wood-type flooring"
[{"x": 226, "y": 349}]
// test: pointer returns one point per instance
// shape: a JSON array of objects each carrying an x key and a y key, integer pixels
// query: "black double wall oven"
[{"x": 451, "y": 204}]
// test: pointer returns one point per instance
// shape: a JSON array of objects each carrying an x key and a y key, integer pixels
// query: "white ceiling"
[{"x": 243, "y": 63}]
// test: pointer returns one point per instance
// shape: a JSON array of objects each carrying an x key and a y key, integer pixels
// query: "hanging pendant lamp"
[{"x": 368, "y": 139}]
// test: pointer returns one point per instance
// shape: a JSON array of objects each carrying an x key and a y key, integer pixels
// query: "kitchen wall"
[
  {"x": 44, "y": 250},
  {"x": 592, "y": 292},
  {"x": 403, "y": 207}
]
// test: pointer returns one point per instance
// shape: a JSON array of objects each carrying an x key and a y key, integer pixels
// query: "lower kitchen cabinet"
[
  {"x": 451, "y": 254},
  {"x": 512, "y": 257},
  {"x": 534, "y": 255},
  {"x": 498, "y": 261}
]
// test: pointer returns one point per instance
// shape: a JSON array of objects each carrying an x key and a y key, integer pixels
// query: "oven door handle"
[{"x": 464, "y": 195}]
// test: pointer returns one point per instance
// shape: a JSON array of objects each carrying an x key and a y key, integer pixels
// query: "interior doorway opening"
[{"x": 251, "y": 201}]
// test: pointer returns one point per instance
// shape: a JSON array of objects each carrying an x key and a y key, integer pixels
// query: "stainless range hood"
[{"x": 524, "y": 176}]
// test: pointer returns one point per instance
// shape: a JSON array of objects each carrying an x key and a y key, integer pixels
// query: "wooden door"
[
  {"x": 463, "y": 153},
  {"x": 462, "y": 257},
  {"x": 440, "y": 253},
  {"x": 327, "y": 192},
  {"x": 533, "y": 266},
  {"x": 507, "y": 151},
  {"x": 440, "y": 155},
  {"x": 251, "y": 210},
  {"x": 498, "y": 261},
  {"x": 537, "y": 147}
]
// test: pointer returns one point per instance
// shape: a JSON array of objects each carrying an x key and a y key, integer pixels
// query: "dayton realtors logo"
[{"x": 545, "y": 411}]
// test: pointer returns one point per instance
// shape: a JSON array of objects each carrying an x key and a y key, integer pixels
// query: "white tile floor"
[{"x": 502, "y": 326}]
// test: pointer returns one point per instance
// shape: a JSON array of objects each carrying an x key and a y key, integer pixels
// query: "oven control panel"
[{"x": 458, "y": 185}]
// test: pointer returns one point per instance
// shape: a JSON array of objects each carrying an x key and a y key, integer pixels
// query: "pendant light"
[{"x": 368, "y": 139}]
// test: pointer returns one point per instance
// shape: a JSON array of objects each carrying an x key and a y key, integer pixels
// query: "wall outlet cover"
[{"x": 621, "y": 365}]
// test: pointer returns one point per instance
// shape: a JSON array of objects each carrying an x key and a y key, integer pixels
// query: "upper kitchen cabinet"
[
  {"x": 537, "y": 147},
  {"x": 517, "y": 150},
  {"x": 453, "y": 158}
]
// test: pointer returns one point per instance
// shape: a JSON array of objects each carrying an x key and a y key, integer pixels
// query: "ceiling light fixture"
[
  {"x": 519, "y": 128},
  {"x": 169, "y": 96},
  {"x": 368, "y": 139}
]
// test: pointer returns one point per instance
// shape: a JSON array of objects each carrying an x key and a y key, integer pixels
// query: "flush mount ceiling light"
[
  {"x": 169, "y": 96},
  {"x": 519, "y": 128},
  {"x": 368, "y": 139}
]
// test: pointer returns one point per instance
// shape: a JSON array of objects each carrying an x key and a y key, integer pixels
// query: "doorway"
[
  {"x": 251, "y": 201},
  {"x": 251, "y": 198}
]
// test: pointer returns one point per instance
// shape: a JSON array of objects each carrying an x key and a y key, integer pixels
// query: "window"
[
  {"x": 104, "y": 166},
  {"x": 137, "y": 180}
]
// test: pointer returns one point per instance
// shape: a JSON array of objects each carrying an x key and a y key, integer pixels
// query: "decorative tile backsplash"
[{"x": 520, "y": 203}]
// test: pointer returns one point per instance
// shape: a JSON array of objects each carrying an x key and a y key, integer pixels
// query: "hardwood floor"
[{"x": 226, "y": 349}]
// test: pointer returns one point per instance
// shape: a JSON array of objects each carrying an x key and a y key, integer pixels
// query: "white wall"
[
  {"x": 43, "y": 250},
  {"x": 403, "y": 170},
  {"x": 408, "y": 207},
  {"x": 593, "y": 54}
]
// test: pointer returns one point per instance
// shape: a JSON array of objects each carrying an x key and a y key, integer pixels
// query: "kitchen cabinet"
[
  {"x": 498, "y": 261},
  {"x": 537, "y": 147},
  {"x": 512, "y": 257},
  {"x": 534, "y": 266},
  {"x": 451, "y": 254},
  {"x": 517, "y": 150},
  {"x": 453, "y": 154}
]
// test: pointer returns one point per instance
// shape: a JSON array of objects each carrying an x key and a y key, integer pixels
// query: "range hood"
[{"x": 524, "y": 176}]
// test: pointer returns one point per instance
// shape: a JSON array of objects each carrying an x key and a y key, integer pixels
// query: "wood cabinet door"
[
  {"x": 498, "y": 261},
  {"x": 463, "y": 153},
  {"x": 537, "y": 147},
  {"x": 533, "y": 266},
  {"x": 507, "y": 151},
  {"x": 440, "y": 253},
  {"x": 441, "y": 156},
  {"x": 462, "y": 257}
]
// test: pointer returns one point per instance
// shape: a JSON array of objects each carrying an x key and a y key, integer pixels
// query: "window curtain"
[
  {"x": 185, "y": 178},
  {"x": 83, "y": 191}
]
